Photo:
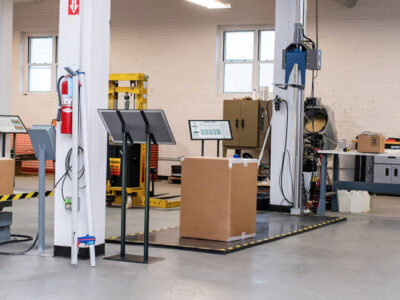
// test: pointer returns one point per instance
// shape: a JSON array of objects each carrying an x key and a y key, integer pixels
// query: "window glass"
[
  {"x": 247, "y": 59},
  {"x": 239, "y": 45},
  {"x": 41, "y": 50},
  {"x": 267, "y": 45},
  {"x": 267, "y": 76},
  {"x": 238, "y": 78},
  {"x": 39, "y": 78}
]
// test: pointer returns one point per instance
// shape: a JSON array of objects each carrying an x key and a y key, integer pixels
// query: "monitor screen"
[
  {"x": 210, "y": 130},
  {"x": 11, "y": 124}
]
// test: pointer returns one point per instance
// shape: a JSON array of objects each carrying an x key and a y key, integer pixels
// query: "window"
[
  {"x": 41, "y": 64},
  {"x": 246, "y": 59}
]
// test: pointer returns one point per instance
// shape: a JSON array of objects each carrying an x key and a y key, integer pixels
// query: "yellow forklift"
[{"x": 134, "y": 88}]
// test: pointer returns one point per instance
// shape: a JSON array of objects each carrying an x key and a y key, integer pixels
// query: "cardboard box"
[
  {"x": 219, "y": 198},
  {"x": 6, "y": 176},
  {"x": 371, "y": 143}
]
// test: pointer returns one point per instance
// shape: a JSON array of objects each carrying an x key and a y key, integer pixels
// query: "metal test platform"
[{"x": 270, "y": 227}]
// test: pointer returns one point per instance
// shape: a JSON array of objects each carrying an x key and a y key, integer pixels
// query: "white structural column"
[
  {"x": 6, "y": 28},
  {"x": 92, "y": 59},
  {"x": 286, "y": 16}
]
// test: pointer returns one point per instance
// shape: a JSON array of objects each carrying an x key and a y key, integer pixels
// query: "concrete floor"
[{"x": 357, "y": 259}]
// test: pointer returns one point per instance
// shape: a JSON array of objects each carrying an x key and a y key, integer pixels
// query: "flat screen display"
[
  {"x": 11, "y": 124},
  {"x": 210, "y": 130}
]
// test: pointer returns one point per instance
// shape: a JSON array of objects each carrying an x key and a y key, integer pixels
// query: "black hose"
[
  {"x": 68, "y": 169},
  {"x": 59, "y": 98},
  {"x": 25, "y": 238},
  {"x": 285, "y": 153},
  {"x": 309, "y": 40}
]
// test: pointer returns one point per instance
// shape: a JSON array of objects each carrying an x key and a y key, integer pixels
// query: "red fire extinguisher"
[{"x": 65, "y": 105}]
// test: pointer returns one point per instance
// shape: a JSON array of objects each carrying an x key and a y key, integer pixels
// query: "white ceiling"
[{"x": 348, "y": 3}]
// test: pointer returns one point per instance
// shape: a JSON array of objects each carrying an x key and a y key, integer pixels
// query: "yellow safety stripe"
[{"x": 24, "y": 196}]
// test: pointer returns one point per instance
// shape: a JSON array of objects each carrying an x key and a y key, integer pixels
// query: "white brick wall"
[
  {"x": 174, "y": 42},
  {"x": 36, "y": 18}
]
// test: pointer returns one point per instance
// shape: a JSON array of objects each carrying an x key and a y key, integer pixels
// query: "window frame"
[
  {"x": 221, "y": 62},
  {"x": 27, "y": 63}
]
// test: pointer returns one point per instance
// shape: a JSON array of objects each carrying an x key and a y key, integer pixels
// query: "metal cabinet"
[
  {"x": 396, "y": 174},
  {"x": 387, "y": 170},
  {"x": 382, "y": 173},
  {"x": 232, "y": 112},
  {"x": 248, "y": 127},
  {"x": 387, "y": 160},
  {"x": 249, "y": 122}
]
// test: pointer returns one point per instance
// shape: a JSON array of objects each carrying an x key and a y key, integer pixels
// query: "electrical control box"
[
  {"x": 249, "y": 122},
  {"x": 313, "y": 61}
]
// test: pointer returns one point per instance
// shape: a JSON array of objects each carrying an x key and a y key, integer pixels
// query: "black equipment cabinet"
[{"x": 115, "y": 165}]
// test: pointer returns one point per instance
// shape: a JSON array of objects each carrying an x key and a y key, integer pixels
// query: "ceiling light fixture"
[{"x": 211, "y": 4}]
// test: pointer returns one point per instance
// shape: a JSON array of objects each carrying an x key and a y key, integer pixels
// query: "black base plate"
[
  {"x": 270, "y": 227},
  {"x": 84, "y": 253},
  {"x": 133, "y": 258}
]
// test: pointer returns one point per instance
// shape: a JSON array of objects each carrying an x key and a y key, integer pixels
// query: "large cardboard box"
[
  {"x": 219, "y": 198},
  {"x": 6, "y": 176},
  {"x": 371, "y": 143}
]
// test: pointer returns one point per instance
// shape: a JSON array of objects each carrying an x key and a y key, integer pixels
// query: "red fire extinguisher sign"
[{"x": 73, "y": 7}]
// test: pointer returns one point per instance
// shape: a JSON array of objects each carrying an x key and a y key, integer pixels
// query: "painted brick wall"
[
  {"x": 33, "y": 18},
  {"x": 174, "y": 42}
]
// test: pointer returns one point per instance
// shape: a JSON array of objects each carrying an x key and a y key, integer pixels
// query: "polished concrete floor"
[{"x": 358, "y": 259}]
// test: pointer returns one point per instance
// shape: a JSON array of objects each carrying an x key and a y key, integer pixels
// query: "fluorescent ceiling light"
[{"x": 211, "y": 4}]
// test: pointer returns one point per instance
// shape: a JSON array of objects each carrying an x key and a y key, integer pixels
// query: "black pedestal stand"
[{"x": 145, "y": 259}]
